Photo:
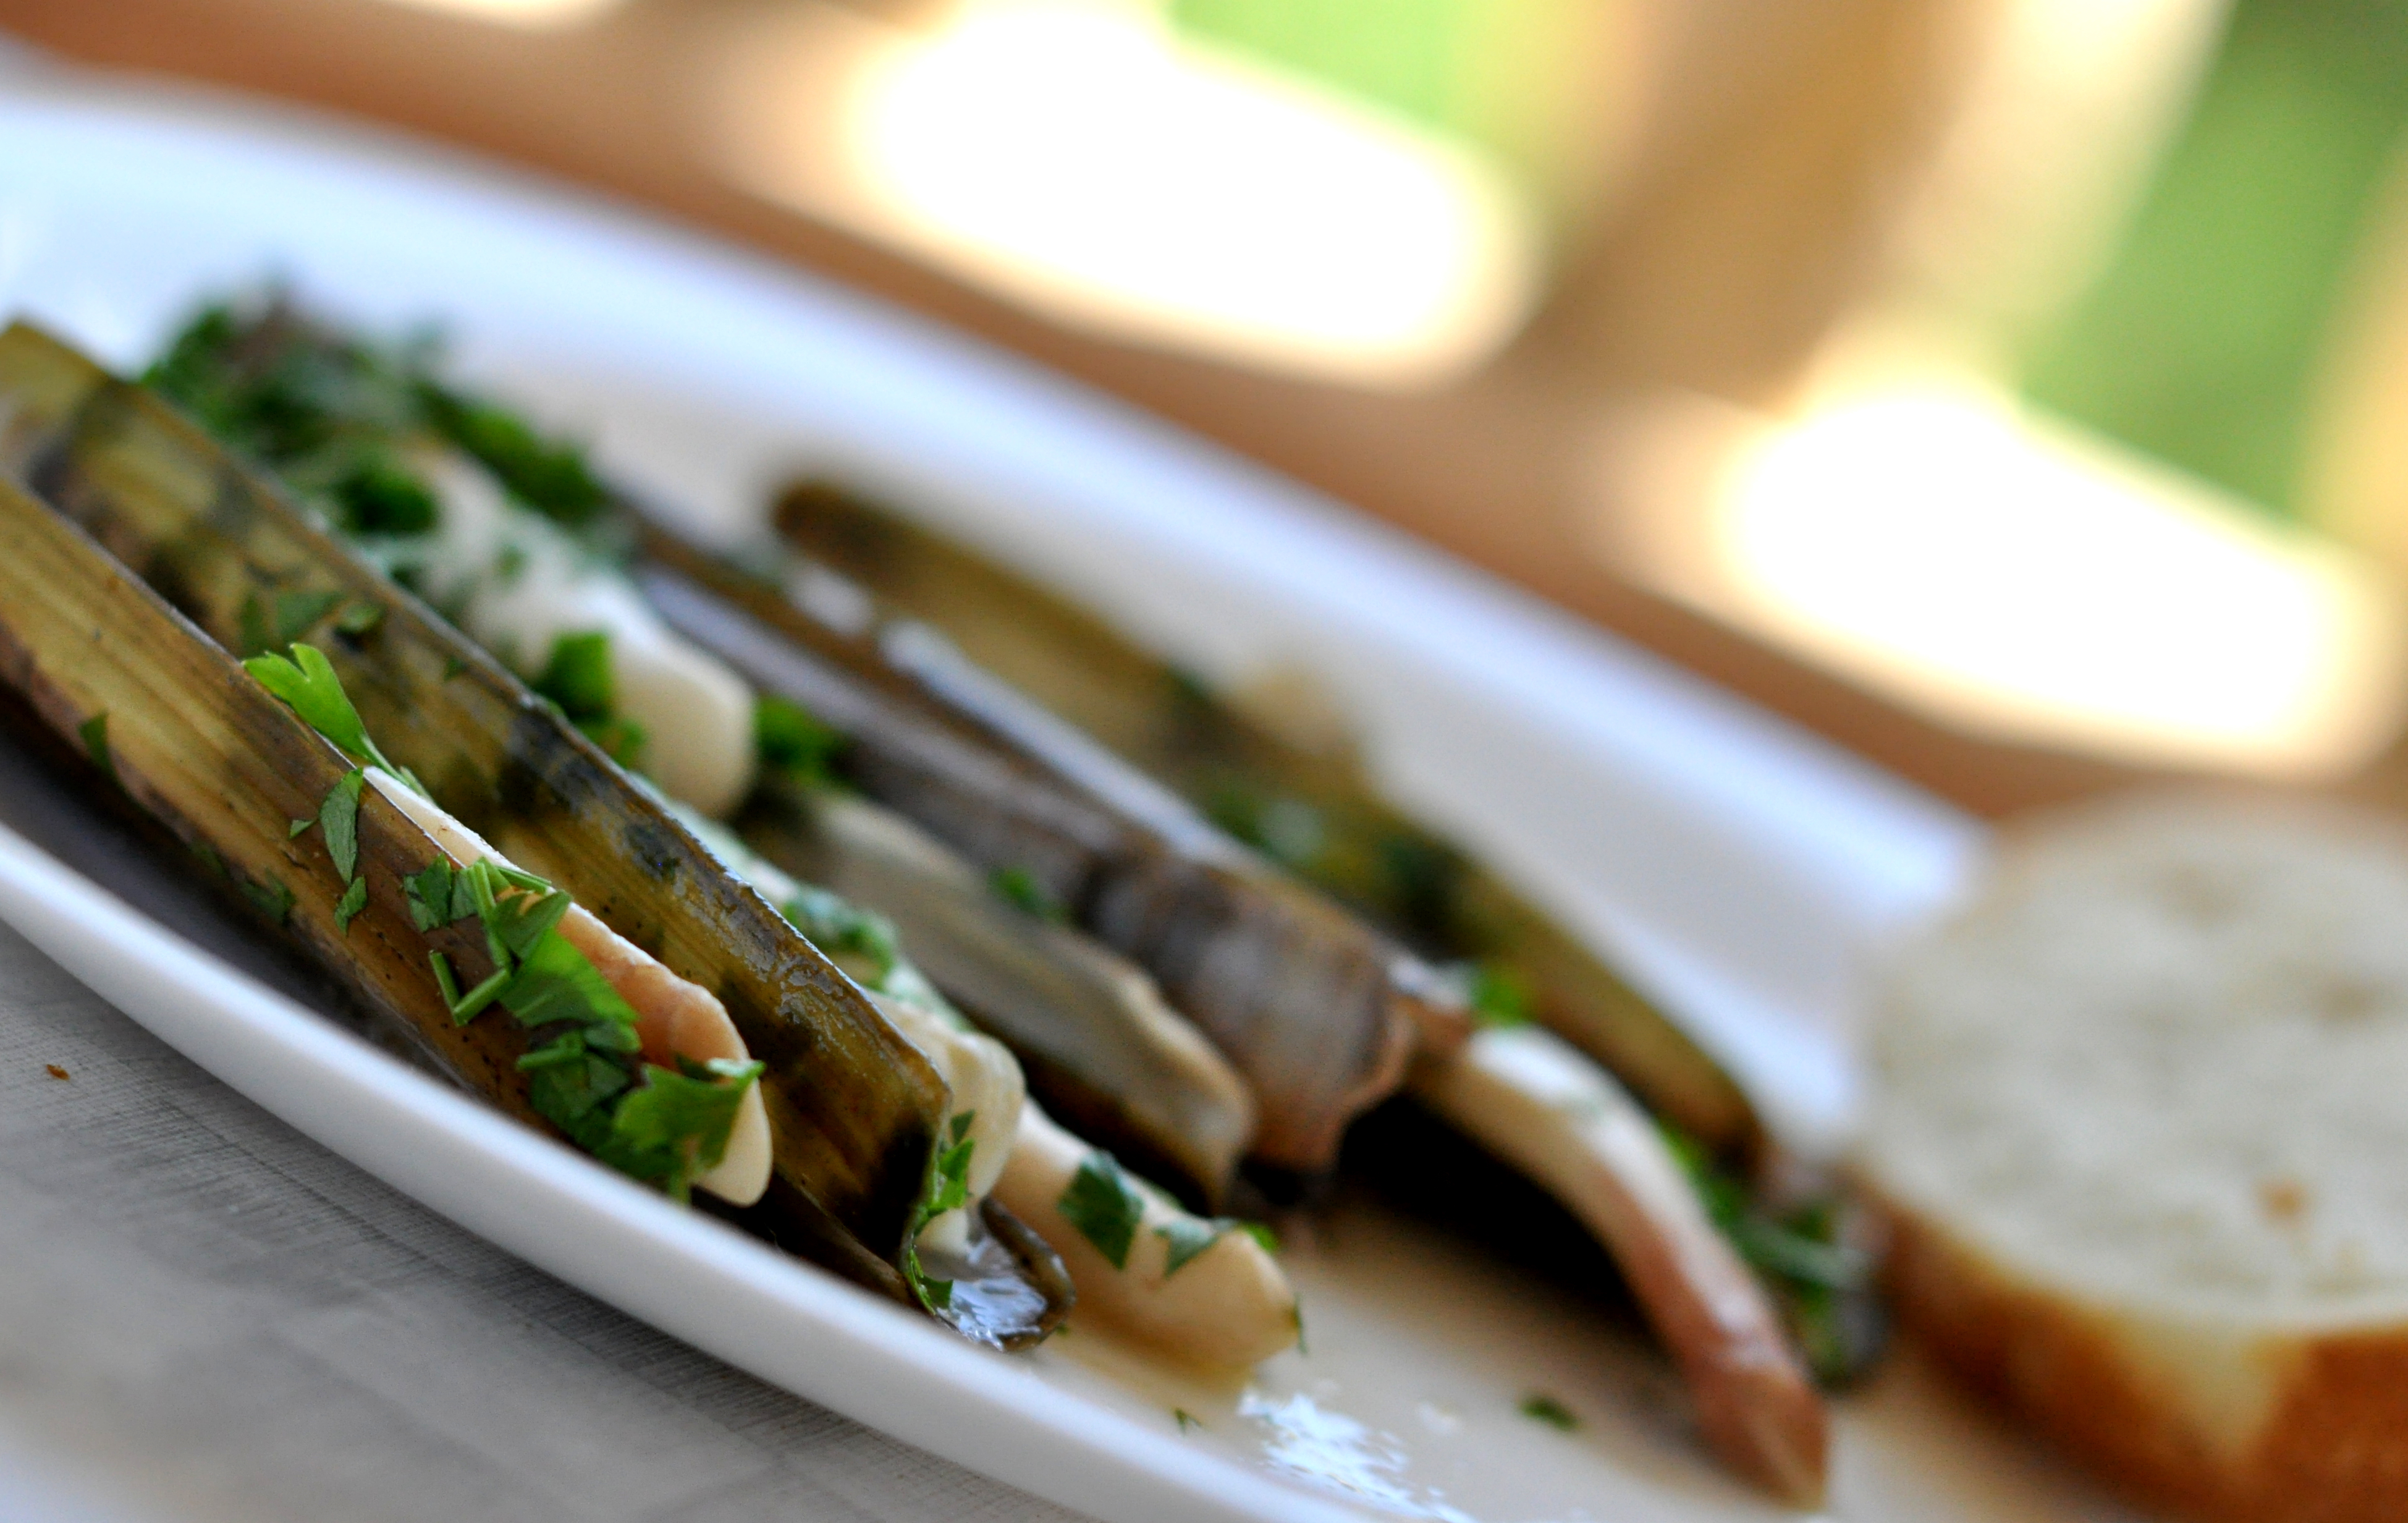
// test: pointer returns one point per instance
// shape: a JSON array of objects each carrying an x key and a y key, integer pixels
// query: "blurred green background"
[{"x": 2204, "y": 338}]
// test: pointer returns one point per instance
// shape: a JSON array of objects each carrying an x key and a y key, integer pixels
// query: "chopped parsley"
[
  {"x": 308, "y": 684},
  {"x": 377, "y": 495},
  {"x": 1541, "y": 1407},
  {"x": 94, "y": 732},
  {"x": 1189, "y": 1237},
  {"x": 792, "y": 740},
  {"x": 1497, "y": 995},
  {"x": 347, "y": 908},
  {"x": 1018, "y": 887},
  {"x": 548, "y": 475},
  {"x": 839, "y": 927},
  {"x": 437, "y": 896},
  {"x": 338, "y": 820},
  {"x": 665, "y": 1127},
  {"x": 1185, "y": 1419},
  {"x": 1798, "y": 1257},
  {"x": 578, "y": 678},
  {"x": 1105, "y": 1206},
  {"x": 271, "y": 898},
  {"x": 947, "y": 1189}
]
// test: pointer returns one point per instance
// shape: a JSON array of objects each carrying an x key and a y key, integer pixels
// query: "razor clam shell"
[
  {"x": 216, "y": 767},
  {"x": 1100, "y": 1045},
  {"x": 1317, "y": 1013},
  {"x": 855, "y": 1107},
  {"x": 1093, "y": 676}
]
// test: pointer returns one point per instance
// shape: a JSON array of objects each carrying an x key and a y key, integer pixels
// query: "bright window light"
[
  {"x": 2038, "y": 586},
  {"x": 1078, "y": 156},
  {"x": 532, "y": 15}
]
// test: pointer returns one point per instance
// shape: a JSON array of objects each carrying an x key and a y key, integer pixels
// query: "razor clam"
[
  {"x": 1555, "y": 1115},
  {"x": 855, "y": 1107},
  {"x": 1318, "y": 1012},
  {"x": 336, "y": 413},
  {"x": 1296, "y": 788},
  {"x": 175, "y": 728},
  {"x": 1097, "y": 1039},
  {"x": 1305, "y": 800},
  {"x": 1204, "y": 1290}
]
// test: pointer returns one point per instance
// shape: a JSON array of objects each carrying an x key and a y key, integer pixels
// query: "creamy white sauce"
[{"x": 518, "y": 583}]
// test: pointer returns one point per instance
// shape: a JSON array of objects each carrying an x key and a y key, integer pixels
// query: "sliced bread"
[{"x": 2139, "y": 1114}]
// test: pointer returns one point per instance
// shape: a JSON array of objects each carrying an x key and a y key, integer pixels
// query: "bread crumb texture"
[{"x": 2139, "y": 1111}]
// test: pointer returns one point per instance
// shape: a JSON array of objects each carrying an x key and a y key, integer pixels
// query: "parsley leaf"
[
  {"x": 338, "y": 817},
  {"x": 1018, "y": 887},
  {"x": 549, "y": 476},
  {"x": 677, "y": 1126},
  {"x": 436, "y": 896},
  {"x": 837, "y": 925},
  {"x": 578, "y": 676},
  {"x": 378, "y": 497},
  {"x": 271, "y": 898},
  {"x": 95, "y": 743},
  {"x": 792, "y": 740},
  {"x": 347, "y": 908},
  {"x": 555, "y": 983},
  {"x": 308, "y": 684},
  {"x": 1104, "y": 1206},
  {"x": 1188, "y": 1237},
  {"x": 1541, "y": 1407},
  {"x": 1497, "y": 996},
  {"x": 947, "y": 1189},
  {"x": 567, "y": 1079}
]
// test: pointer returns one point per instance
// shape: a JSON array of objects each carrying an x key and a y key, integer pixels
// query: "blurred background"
[{"x": 2015, "y": 390}]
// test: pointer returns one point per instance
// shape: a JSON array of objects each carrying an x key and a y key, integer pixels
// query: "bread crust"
[{"x": 2333, "y": 1449}]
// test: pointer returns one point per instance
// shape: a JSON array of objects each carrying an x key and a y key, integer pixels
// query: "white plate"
[{"x": 1744, "y": 869}]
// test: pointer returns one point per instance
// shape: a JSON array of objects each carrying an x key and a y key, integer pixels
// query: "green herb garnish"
[
  {"x": 347, "y": 908},
  {"x": 1018, "y": 887},
  {"x": 1546, "y": 1409},
  {"x": 308, "y": 684},
  {"x": 271, "y": 898},
  {"x": 379, "y": 497},
  {"x": 547, "y": 474},
  {"x": 339, "y": 819},
  {"x": 1105, "y": 1206},
  {"x": 1498, "y": 996},
  {"x": 95, "y": 743},
  {"x": 947, "y": 1189},
  {"x": 578, "y": 678},
  {"x": 1809, "y": 1274},
  {"x": 667, "y": 1129},
  {"x": 1188, "y": 1237},
  {"x": 358, "y": 619},
  {"x": 839, "y": 927},
  {"x": 792, "y": 740}
]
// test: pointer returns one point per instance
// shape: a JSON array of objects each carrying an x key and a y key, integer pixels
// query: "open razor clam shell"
[
  {"x": 1318, "y": 1012},
  {"x": 1100, "y": 1047},
  {"x": 1364, "y": 849},
  {"x": 216, "y": 767},
  {"x": 855, "y": 1108}
]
